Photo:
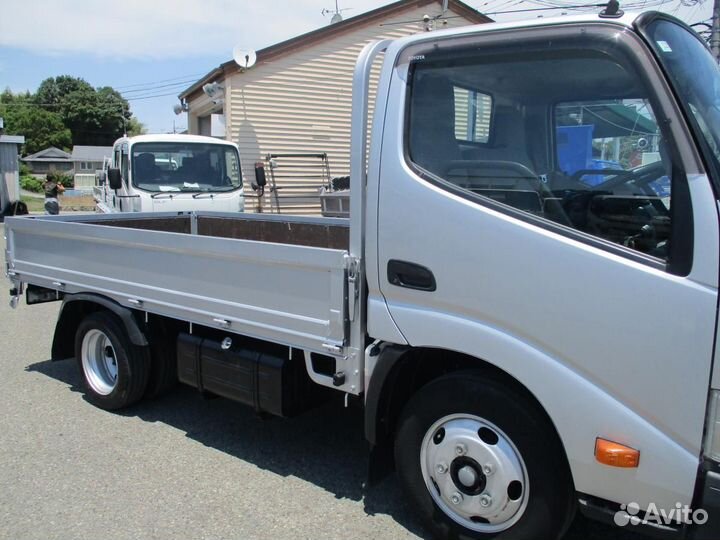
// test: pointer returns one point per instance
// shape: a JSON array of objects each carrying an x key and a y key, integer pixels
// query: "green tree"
[
  {"x": 52, "y": 91},
  {"x": 67, "y": 111},
  {"x": 40, "y": 127},
  {"x": 135, "y": 127},
  {"x": 94, "y": 116}
]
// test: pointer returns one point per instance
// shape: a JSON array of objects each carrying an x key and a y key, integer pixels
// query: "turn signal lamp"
[{"x": 616, "y": 454}]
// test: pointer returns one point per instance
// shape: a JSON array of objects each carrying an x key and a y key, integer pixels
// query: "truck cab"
[{"x": 168, "y": 173}]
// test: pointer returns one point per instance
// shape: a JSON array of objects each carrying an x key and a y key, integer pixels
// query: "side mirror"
[
  {"x": 114, "y": 178},
  {"x": 260, "y": 179}
]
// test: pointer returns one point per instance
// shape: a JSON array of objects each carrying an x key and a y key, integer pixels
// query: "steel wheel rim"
[
  {"x": 99, "y": 362},
  {"x": 474, "y": 473}
]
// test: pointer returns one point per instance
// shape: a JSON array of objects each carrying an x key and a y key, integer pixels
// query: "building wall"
[
  {"x": 43, "y": 167},
  {"x": 9, "y": 173},
  {"x": 87, "y": 166},
  {"x": 301, "y": 103}
]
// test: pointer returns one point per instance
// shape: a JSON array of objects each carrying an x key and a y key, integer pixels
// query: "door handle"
[{"x": 410, "y": 275}]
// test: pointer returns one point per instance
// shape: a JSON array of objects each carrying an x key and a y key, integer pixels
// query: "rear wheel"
[
  {"x": 115, "y": 372},
  {"x": 479, "y": 460}
]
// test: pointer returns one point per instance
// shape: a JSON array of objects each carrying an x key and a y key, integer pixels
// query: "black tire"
[
  {"x": 132, "y": 363},
  {"x": 551, "y": 500}
]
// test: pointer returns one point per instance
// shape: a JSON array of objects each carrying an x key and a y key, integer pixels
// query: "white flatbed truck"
[
  {"x": 171, "y": 173},
  {"x": 528, "y": 336}
]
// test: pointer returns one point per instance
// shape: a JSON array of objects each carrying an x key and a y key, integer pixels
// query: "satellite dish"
[
  {"x": 245, "y": 58},
  {"x": 177, "y": 108},
  {"x": 336, "y": 18}
]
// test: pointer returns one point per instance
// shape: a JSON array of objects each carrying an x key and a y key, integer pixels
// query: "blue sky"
[
  {"x": 153, "y": 47},
  {"x": 24, "y": 70}
]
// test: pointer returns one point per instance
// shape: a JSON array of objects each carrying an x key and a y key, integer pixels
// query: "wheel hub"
[
  {"x": 485, "y": 487},
  {"x": 467, "y": 475},
  {"x": 99, "y": 362}
]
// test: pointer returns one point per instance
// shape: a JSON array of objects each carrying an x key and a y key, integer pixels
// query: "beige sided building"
[{"x": 297, "y": 97}]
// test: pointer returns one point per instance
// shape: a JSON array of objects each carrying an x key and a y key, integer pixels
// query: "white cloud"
[{"x": 159, "y": 28}]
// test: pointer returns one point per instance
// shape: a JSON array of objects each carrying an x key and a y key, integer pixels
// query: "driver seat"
[
  {"x": 432, "y": 124},
  {"x": 145, "y": 168}
]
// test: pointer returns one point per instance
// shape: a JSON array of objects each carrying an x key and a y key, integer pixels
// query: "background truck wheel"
[
  {"x": 115, "y": 372},
  {"x": 479, "y": 460}
]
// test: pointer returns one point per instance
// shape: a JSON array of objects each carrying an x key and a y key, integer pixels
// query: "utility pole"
[{"x": 715, "y": 33}]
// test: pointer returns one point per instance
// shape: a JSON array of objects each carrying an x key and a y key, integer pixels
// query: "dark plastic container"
[{"x": 253, "y": 372}]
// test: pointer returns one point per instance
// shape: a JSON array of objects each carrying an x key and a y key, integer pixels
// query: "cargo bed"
[{"x": 278, "y": 278}]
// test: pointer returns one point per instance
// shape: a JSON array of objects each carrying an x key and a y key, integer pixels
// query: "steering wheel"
[
  {"x": 577, "y": 175},
  {"x": 649, "y": 172}
]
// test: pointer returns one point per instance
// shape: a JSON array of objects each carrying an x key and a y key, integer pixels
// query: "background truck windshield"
[{"x": 196, "y": 167}]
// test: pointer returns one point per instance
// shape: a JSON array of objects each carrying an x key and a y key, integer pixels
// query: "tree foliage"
[
  {"x": 135, "y": 127},
  {"x": 67, "y": 111},
  {"x": 41, "y": 128}
]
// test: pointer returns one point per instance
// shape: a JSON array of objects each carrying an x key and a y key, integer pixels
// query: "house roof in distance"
[
  {"x": 49, "y": 154},
  {"x": 293, "y": 44},
  {"x": 91, "y": 153}
]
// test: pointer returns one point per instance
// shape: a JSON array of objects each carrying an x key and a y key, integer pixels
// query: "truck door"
[{"x": 593, "y": 280}]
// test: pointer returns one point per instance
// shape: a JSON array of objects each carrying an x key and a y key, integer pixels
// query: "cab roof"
[{"x": 173, "y": 137}]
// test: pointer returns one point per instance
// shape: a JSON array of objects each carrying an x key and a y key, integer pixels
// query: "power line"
[
  {"x": 195, "y": 75},
  {"x": 150, "y": 89},
  {"x": 55, "y": 105},
  {"x": 151, "y": 97},
  {"x": 526, "y": 10}
]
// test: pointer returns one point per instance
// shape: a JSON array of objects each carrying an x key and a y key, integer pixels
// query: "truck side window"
[
  {"x": 232, "y": 169},
  {"x": 473, "y": 110},
  {"x": 565, "y": 135},
  {"x": 124, "y": 167}
]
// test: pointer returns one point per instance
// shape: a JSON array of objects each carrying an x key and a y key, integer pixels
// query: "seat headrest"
[{"x": 145, "y": 159}]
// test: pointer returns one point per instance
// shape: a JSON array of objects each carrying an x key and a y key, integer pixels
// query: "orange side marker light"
[{"x": 616, "y": 454}]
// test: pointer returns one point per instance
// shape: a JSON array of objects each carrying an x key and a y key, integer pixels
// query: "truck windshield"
[
  {"x": 196, "y": 167},
  {"x": 694, "y": 75}
]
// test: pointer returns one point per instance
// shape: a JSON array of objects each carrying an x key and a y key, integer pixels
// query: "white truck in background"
[
  {"x": 528, "y": 335},
  {"x": 171, "y": 173}
]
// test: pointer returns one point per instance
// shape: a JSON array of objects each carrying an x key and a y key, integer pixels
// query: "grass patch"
[
  {"x": 34, "y": 204},
  {"x": 85, "y": 203}
]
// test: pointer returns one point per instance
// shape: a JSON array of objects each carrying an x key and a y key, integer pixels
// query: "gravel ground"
[{"x": 180, "y": 466}]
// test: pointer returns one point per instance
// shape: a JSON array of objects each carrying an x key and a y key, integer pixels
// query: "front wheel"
[
  {"x": 478, "y": 460},
  {"x": 115, "y": 372}
]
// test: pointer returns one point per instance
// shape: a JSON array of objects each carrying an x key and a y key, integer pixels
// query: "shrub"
[
  {"x": 61, "y": 178},
  {"x": 30, "y": 183}
]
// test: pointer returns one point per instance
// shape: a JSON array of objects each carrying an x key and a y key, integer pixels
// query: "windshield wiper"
[
  {"x": 199, "y": 195},
  {"x": 166, "y": 193}
]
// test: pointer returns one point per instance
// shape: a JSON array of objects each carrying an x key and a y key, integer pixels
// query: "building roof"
[
  {"x": 291, "y": 45},
  {"x": 15, "y": 139},
  {"x": 91, "y": 153},
  {"x": 49, "y": 154}
]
